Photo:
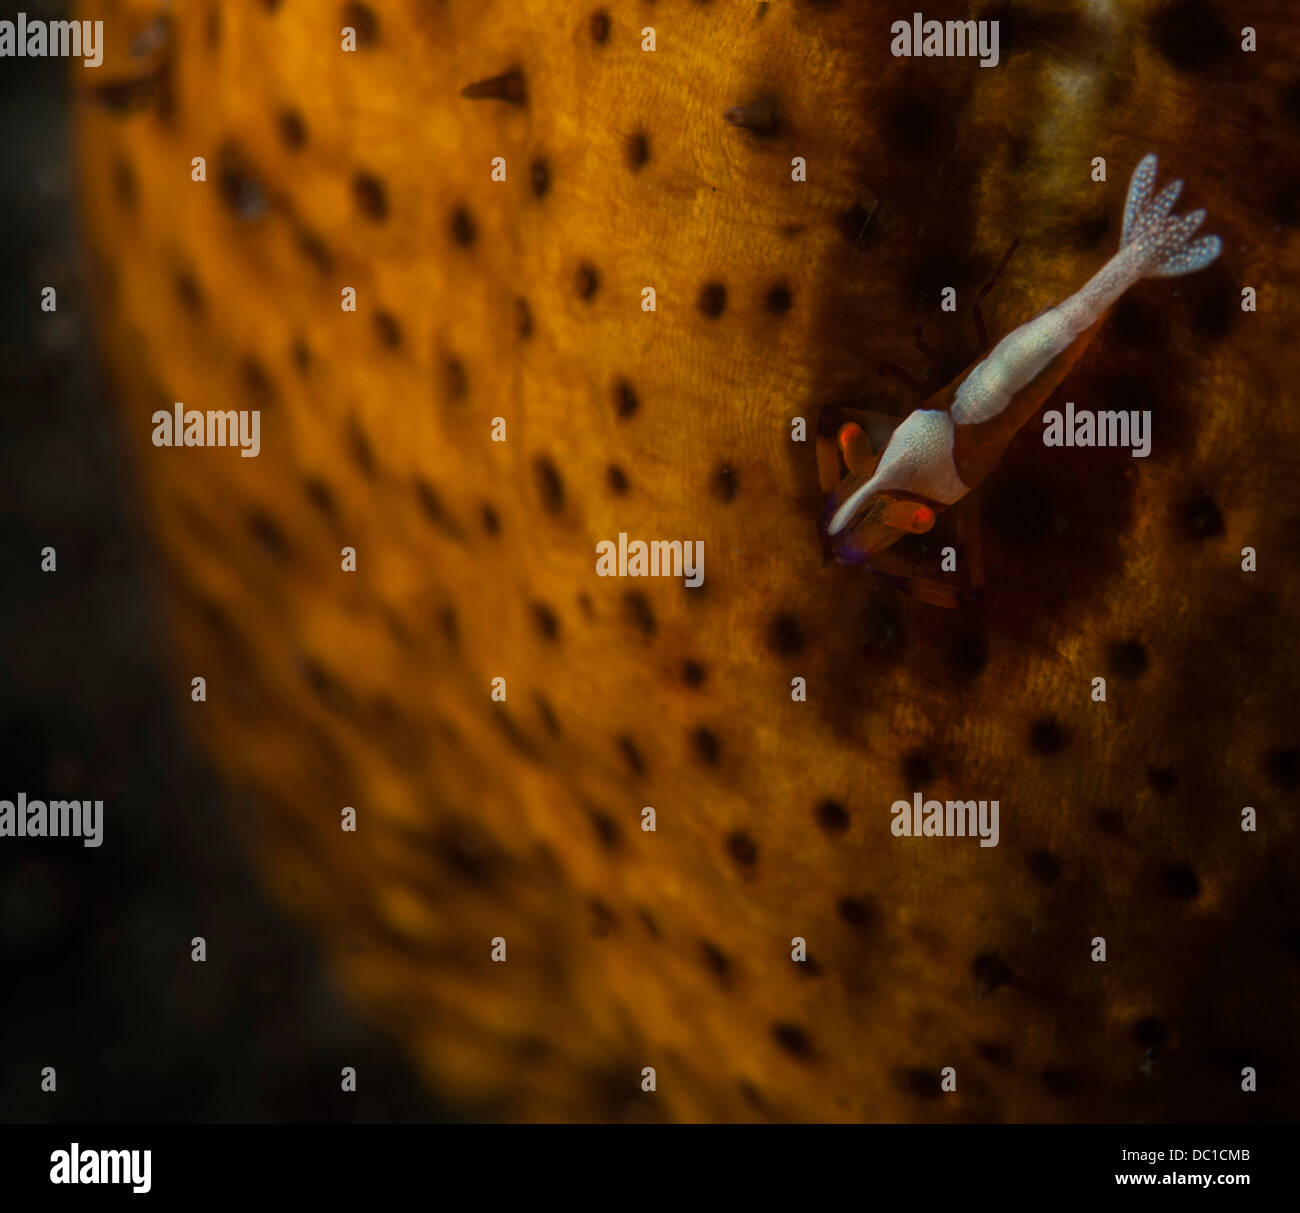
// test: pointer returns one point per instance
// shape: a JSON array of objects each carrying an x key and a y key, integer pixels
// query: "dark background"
[{"x": 95, "y": 971}]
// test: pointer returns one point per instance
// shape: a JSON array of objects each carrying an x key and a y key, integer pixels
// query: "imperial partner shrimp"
[{"x": 945, "y": 448}]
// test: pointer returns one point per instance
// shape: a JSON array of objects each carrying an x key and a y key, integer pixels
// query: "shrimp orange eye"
[
  {"x": 905, "y": 515},
  {"x": 855, "y": 446}
]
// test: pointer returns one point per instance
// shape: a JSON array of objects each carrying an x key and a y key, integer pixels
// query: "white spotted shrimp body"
[{"x": 947, "y": 446}]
